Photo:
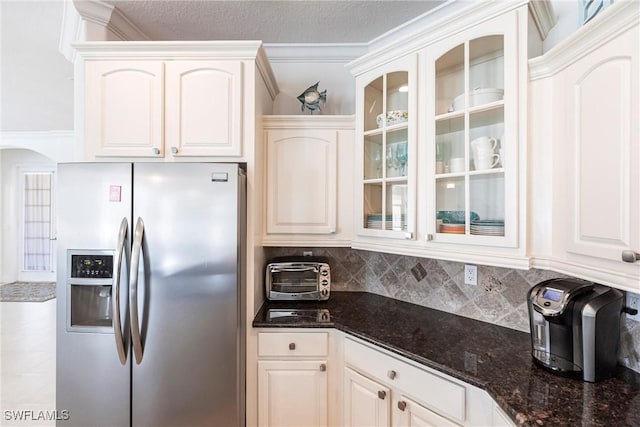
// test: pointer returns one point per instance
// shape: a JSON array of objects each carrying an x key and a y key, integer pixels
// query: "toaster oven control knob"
[
  {"x": 324, "y": 272},
  {"x": 324, "y": 282},
  {"x": 324, "y": 292}
]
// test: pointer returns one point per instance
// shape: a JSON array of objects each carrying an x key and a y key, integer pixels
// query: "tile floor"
[{"x": 27, "y": 362}]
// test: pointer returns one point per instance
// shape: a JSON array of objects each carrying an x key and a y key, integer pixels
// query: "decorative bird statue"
[{"x": 311, "y": 98}]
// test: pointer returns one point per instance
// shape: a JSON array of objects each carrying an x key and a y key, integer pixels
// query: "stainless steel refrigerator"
[{"x": 150, "y": 294}]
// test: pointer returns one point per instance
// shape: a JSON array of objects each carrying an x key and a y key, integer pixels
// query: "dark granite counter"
[{"x": 491, "y": 357}]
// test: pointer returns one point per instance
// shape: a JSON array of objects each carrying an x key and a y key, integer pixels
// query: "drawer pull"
[
  {"x": 292, "y": 346},
  {"x": 156, "y": 151},
  {"x": 392, "y": 374},
  {"x": 323, "y": 367},
  {"x": 382, "y": 394},
  {"x": 402, "y": 405},
  {"x": 174, "y": 150}
]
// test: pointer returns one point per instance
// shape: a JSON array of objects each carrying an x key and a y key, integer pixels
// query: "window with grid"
[{"x": 37, "y": 243}]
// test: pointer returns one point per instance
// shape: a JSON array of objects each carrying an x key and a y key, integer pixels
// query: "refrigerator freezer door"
[
  {"x": 187, "y": 290},
  {"x": 91, "y": 383}
]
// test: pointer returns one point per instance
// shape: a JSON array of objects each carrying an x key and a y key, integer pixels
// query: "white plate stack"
[{"x": 488, "y": 227}]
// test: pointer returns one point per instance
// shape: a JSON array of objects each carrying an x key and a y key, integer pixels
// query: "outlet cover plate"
[{"x": 471, "y": 275}]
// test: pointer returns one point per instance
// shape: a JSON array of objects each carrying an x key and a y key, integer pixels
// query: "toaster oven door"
[{"x": 294, "y": 282}]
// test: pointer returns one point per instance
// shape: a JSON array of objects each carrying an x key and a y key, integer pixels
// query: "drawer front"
[
  {"x": 293, "y": 344},
  {"x": 443, "y": 396}
]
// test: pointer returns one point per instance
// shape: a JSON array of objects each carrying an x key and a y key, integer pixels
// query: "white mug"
[
  {"x": 456, "y": 164},
  {"x": 484, "y": 143},
  {"x": 482, "y": 163}
]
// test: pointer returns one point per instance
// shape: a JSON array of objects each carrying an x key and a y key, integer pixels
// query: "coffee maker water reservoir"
[{"x": 575, "y": 327}]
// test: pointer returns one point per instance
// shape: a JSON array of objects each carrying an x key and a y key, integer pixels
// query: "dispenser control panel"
[
  {"x": 92, "y": 266},
  {"x": 550, "y": 301}
]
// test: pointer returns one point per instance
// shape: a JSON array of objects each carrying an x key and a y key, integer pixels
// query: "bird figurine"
[{"x": 311, "y": 98}]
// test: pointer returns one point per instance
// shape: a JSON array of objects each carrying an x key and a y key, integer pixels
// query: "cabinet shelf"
[
  {"x": 496, "y": 105},
  {"x": 379, "y": 131}
]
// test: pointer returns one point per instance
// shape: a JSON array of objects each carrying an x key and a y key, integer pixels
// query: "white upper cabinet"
[
  {"x": 204, "y": 108},
  {"x": 470, "y": 94},
  {"x": 309, "y": 180},
  {"x": 171, "y": 101},
  {"x": 386, "y": 150},
  {"x": 589, "y": 87},
  {"x": 125, "y": 107},
  {"x": 441, "y": 134}
]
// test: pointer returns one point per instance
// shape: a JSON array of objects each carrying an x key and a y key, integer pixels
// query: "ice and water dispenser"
[{"x": 89, "y": 299}]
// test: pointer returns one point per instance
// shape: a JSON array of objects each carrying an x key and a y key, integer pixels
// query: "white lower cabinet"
[
  {"x": 292, "y": 379},
  {"x": 292, "y": 393},
  {"x": 329, "y": 378},
  {"x": 380, "y": 389},
  {"x": 367, "y": 403}
]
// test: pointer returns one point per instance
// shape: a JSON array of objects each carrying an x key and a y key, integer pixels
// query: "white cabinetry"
[
  {"x": 293, "y": 379},
  {"x": 448, "y": 179},
  {"x": 171, "y": 100},
  {"x": 308, "y": 180},
  {"x": 382, "y": 390},
  {"x": 595, "y": 146}
]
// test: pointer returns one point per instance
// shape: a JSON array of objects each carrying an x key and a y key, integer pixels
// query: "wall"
[{"x": 499, "y": 298}]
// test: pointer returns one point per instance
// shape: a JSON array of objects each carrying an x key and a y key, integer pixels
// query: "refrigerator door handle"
[
  {"x": 133, "y": 290},
  {"x": 122, "y": 250}
]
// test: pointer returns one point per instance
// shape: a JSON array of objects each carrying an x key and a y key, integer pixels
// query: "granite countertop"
[{"x": 491, "y": 357}]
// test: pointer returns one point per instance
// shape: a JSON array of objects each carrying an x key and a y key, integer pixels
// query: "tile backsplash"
[{"x": 499, "y": 297}]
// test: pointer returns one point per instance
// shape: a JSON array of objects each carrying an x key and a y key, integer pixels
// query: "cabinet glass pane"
[
  {"x": 373, "y": 156},
  {"x": 450, "y": 145},
  {"x": 450, "y": 205},
  {"x": 486, "y": 70},
  {"x": 373, "y": 103},
  {"x": 486, "y": 130},
  {"x": 373, "y": 206},
  {"x": 397, "y": 97},
  {"x": 487, "y": 200},
  {"x": 450, "y": 81},
  {"x": 396, "y": 206},
  {"x": 397, "y": 154}
]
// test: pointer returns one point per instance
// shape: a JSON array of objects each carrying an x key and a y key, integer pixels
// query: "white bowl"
[
  {"x": 393, "y": 117},
  {"x": 478, "y": 97}
]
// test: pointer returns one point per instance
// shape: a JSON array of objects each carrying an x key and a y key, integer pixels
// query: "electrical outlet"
[
  {"x": 633, "y": 301},
  {"x": 471, "y": 275}
]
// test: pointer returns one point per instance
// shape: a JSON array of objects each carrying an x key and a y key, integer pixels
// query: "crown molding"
[
  {"x": 543, "y": 16},
  {"x": 232, "y": 49},
  {"x": 109, "y": 17},
  {"x": 314, "y": 52},
  {"x": 609, "y": 24},
  {"x": 266, "y": 72},
  {"x": 427, "y": 31},
  {"x": 70, "y": 30}
]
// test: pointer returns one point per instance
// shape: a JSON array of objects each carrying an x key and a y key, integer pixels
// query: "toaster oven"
[{"x": 298, "y": 279}]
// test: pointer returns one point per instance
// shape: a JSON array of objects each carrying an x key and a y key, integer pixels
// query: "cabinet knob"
[
  {"x": 429, "y": 237},
  {"x": 382, "y": 394},
  {"x": 630, "y": 256},
  {"x": 408, "y": 236},
  {"x": 402, "y": 405},
  {"x": 323, "y": 367},
  {"x": 156, "y": 150},
  {"x": 392, "y": 374},
  {"x": 292, "y": 346},
  {"x": 174, "y": 150}
]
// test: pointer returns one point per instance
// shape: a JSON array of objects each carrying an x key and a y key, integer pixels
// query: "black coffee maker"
[{"x": 575, "y": 327}]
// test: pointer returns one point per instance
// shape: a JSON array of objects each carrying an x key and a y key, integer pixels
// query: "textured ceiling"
[{"x": 301, "y": 21}]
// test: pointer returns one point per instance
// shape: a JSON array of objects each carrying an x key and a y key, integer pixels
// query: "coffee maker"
[{"x": 575, "y": 327}]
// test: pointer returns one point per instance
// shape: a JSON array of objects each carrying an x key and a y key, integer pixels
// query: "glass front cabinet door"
[
  {"x": 386, "y": 150},
  {"x": 470, "y": 95}
]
